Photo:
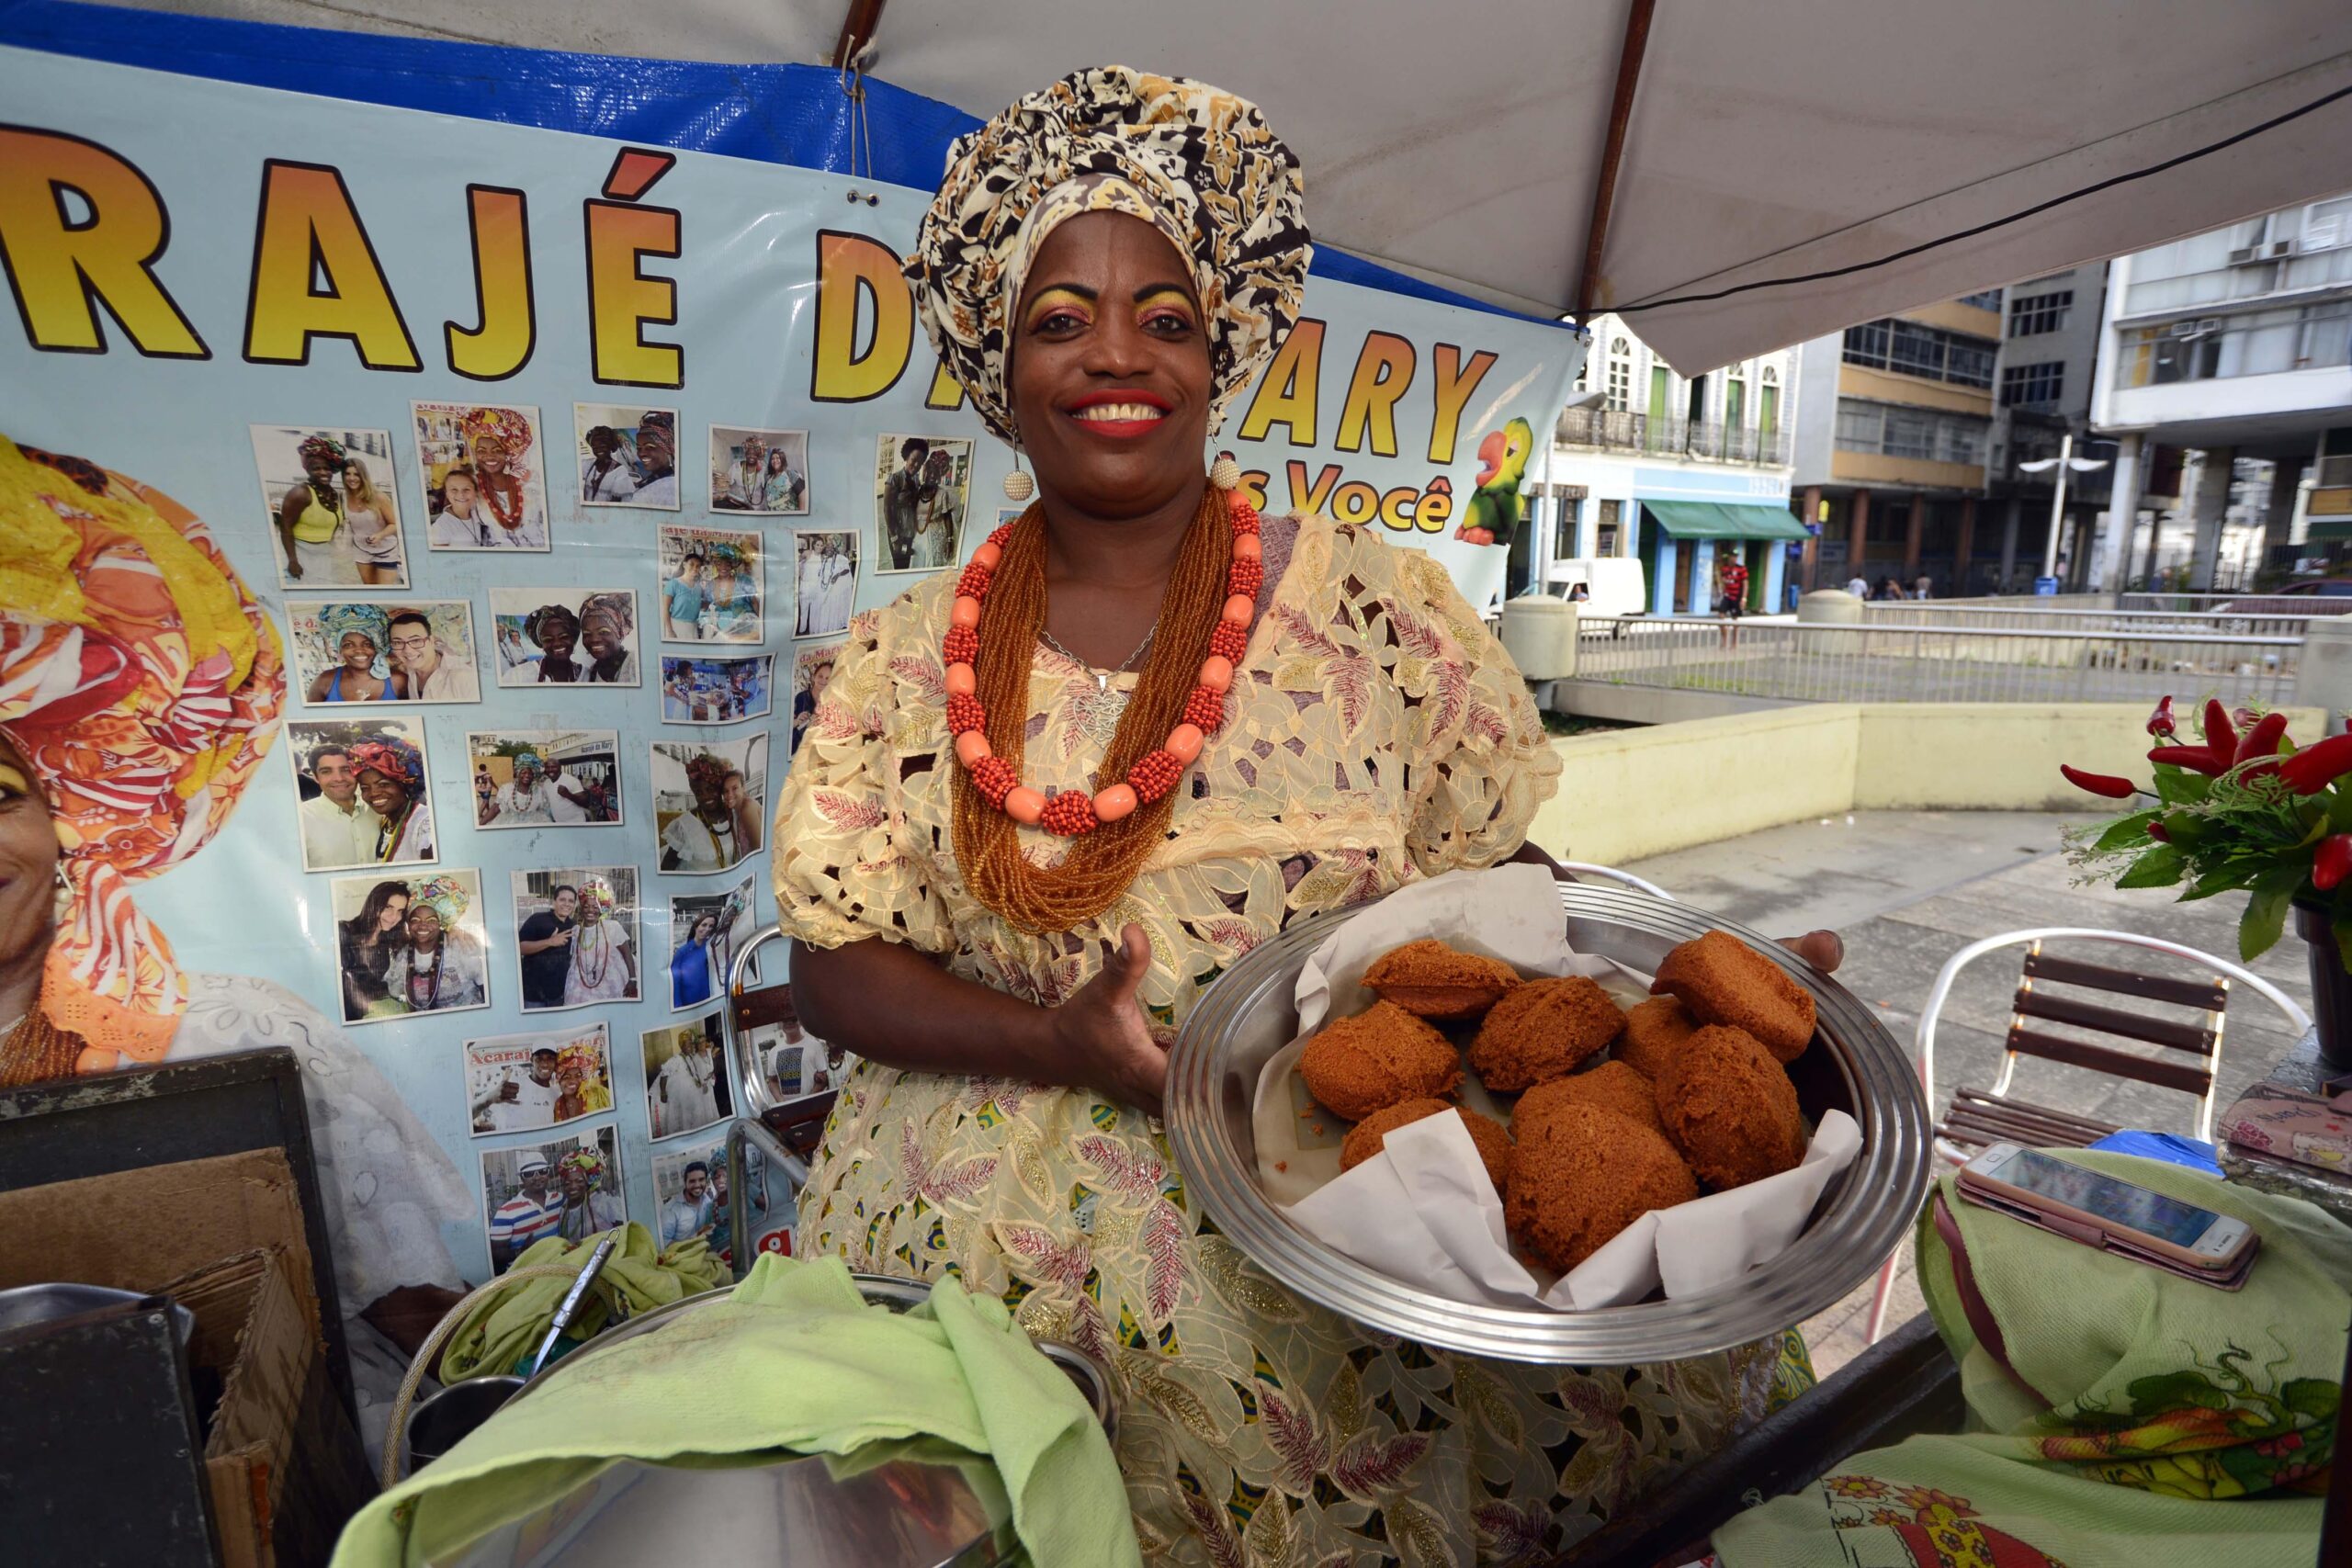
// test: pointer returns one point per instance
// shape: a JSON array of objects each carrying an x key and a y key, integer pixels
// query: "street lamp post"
[{"x": 2064, "y": 462}]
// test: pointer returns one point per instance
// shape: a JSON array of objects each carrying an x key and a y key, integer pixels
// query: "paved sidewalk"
[{"x": 1908, "y": 889}]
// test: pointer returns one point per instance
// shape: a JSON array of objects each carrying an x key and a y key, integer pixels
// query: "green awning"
[
  {"x": 2329, "y": 530},
  {"x": 1725, "y": 520}
]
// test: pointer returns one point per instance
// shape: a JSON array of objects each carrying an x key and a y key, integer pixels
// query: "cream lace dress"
[{"x": 1375, "y": 734}]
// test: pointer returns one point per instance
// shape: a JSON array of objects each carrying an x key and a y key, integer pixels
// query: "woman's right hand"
[{"x": 1101, "y": 1034}]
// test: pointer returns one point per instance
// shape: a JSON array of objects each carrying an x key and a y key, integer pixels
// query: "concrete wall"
[{"x": 1629, "y": 794}]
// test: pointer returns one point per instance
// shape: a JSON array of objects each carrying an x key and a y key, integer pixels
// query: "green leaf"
[
  {"x": 2126, "y": 833},
  {"x": 2263, "y": 923},
  {"x": 2160, "y": 866},
  {"x": 2174, "y": 1391},
  {"x": 2315, "y": 1397},
  {"x": 2283, "y": 878},
  {"x": 2342, "y": 925},
  {"x": 2176, "y": 785}
]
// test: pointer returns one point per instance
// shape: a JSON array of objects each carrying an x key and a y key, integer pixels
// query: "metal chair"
[
  {"x": 1977, "y": 1119},
  {"x": 769, "y": 1148},
  {"x": 1611, "y": 873}
]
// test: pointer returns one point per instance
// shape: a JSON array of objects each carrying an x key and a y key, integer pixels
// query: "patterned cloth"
[
  {"x": 507, "y": 426},
  {"x": 142, "y": 681},
  {"x": 1195, "y": 163},
  {"x": 393, "y": 756},
  {"x": 1377, "y": 734}
]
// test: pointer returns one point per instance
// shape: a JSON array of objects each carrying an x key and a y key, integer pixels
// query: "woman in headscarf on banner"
[
  {"x": 603, "y": 965},
  {"x": 141, "y": 685},
  {"x": 587, "y": 1210},
  {"x": 309, "y": 518},
  {"x": 1246, "y": 722},
  {"x": 498, "y": 445},
  {"x": 578, "y": 1090},
  {"x": 708, "y": 835},
  {"x": 554, "y": 630},
  {"x": 606, "y": 621},
  {"x": 441, "y": 967},
  {"x": 391, "y": 781},
  {"x": 355, "y": 632}
]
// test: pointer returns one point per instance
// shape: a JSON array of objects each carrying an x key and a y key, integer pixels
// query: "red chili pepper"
[
  {"x": 2162, "y": 726},
  {"x": 2313, "y": 768},
  {"x": 2156, "y": 831},
  {"x": 2108, "y": 784},
  {"x": 2262, "y": 740},
  {"x": 2220, "y": 734},
  {"x": 2334, "y": 858},
  {"x": 2196, "y": 758}
]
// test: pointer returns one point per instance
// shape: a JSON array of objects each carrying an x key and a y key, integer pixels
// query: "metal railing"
[
  {"x": 2029, "y": 614},
  {"x": 1624, "y": 431},
  {"x": 2301, "y": 605},
  {"x": 1874, "y": 662}
]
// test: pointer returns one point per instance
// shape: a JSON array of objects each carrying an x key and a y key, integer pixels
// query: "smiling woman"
[{"x": 1045, "y": 800}]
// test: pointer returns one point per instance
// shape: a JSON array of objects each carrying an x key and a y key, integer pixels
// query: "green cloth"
[
  {"x": 1725, "y": 520},
  {"x": 794, "y": 1360},
  {"x": 2158, "y": 1420},
  {"x": 505, "y": 1327}
]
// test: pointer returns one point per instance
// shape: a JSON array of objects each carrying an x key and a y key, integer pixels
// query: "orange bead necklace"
[{"x": 1074, "y": 813}]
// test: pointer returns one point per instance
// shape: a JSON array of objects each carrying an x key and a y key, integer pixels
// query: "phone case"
[{"x": 2105, "y": 1240}]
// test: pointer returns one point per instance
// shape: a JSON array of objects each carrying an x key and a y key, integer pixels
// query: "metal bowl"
[{"x": 1854, "y": 1065}]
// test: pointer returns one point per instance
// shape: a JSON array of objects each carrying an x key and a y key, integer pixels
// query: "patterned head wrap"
[
  {"x": 527, "y": 759},
  {"x": 395, "y": 759},
  {"x": 589, "y": 1163},
  {"x": 143, "y": 684},
  {"x": 545, "y": 615},
  {"x": 581, "y": 1058},
  {"x": 702, "y": 768},
  {"x": 505, "y": 426},
  {"x": 661, "y": 420},
  {"x": 326, "y": 446},
  {"x": 339, "y": 619},
  {"x": 596, "y": 899},
  {"x": 619, "y": 607},
  {"x": 1195, "y": 163},
  {"x": 444, "y": 896}
]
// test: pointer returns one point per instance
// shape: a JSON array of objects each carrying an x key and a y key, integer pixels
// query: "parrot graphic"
[{"x": 1492, "y": 516}]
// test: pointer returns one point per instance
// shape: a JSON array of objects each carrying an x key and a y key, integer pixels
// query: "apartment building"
[
  {"x": 2238, "y": 343},
  {"x": 2042, "y": 394},
  {"x": 1673, "y": 472}
]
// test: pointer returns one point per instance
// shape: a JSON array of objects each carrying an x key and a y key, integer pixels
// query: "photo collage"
[{"x": 428, "y": 826}]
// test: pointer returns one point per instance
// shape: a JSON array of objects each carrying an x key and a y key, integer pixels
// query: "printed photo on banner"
[
  {"x": 759, "y": 470},
  {"x": 919, "y": 485},
  {"x": 545, "y": 778},
  {"x": 360, "y": 790},
  {"x": 709, "y": 802},
  {"x": 628, "y": 453},
  {"x": 706, "y": 930},
  {"x": 575, "y": 936},
  {"x": 356, "y": 650},
  {"x": 690, "y": 1191},
  {"x": 813, "y": 672},
  {"x": 569, "y": 1188},
  {"x": 410, "y": 944},
  {"x": 715, "y": 691},
  {"x": 824, "y": 580},
  {"x": 484, "y": 475},
  {"x": 565, "y": 636},
  {"x": 795, "y": 1063},
  {"x": 328, "y": 496},
  {"x": 528, "y": 1083},
  {"x": 710, "y": 585},
  {"x": 686, "y": 1078}
]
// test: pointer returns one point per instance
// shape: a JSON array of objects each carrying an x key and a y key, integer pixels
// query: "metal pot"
[
  {"x": 794, "y": 1510},
  {"x": 1854, "y": 1065}
]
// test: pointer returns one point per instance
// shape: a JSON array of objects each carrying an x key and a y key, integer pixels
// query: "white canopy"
[{"x": 1763, "y": 141}]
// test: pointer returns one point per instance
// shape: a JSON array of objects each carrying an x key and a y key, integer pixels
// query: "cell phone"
[{"x": 2101, "y": 1210}]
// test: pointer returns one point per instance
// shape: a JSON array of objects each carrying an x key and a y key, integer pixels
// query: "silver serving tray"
[{"x": 1853, "y": 1066}]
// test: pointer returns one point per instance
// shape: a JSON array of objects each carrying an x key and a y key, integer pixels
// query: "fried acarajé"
[
  {"x": 1730, "y": 1110},
  {"x": 1382, "y": 1055},
  {"x": 1722, "y": 980},
  {"x": 1611, "y": 1086},
  {"x": 1655, "y": 1031},
  {"x": 1580, "y": 1174},
  {"x": 1543, "y": 1028},
  {"x": 1366, "y": 1138},
  {"x": 1433, "y": 980}
]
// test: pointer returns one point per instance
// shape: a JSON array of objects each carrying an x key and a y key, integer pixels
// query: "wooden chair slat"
[
  {"x": 1979, "y": 1121},
  {"x": 1977, "y": 1102},
  {"x": 757, "y": 1009},
  {"x": 2206, "y": 995},
  {"x": 2162, "y": 1032},
  {"x": 2122, "y": 1064}
]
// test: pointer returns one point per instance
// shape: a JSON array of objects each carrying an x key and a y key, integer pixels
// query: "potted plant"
[{"x": 2243, "y": 809}]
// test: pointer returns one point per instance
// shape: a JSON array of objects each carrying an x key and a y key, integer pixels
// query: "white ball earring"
[{"x": 1018, "y": 486}]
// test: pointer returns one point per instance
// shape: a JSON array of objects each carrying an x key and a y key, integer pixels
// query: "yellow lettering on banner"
[
  {"x": 1286, "y": 393},
  {"x": 1308, "y": 499},
  {"x": 1355, "y": 503},
  {"x": 315, "y": 274},
  {"x": 1384, "y": 369},
  {"x": 63, "y": 264},
  {"x": 1252, "y": 488},
  {"x": 1451, "y": 386},
  {"x": 1436, "y": 508},
  {"x": 622, "y": 299},
  {"x": 852, "y": 270},
  {"x": 508, "y": 330},
  {"x": 946, "y": 392},
  {"x": 1398, "y": 508}
]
